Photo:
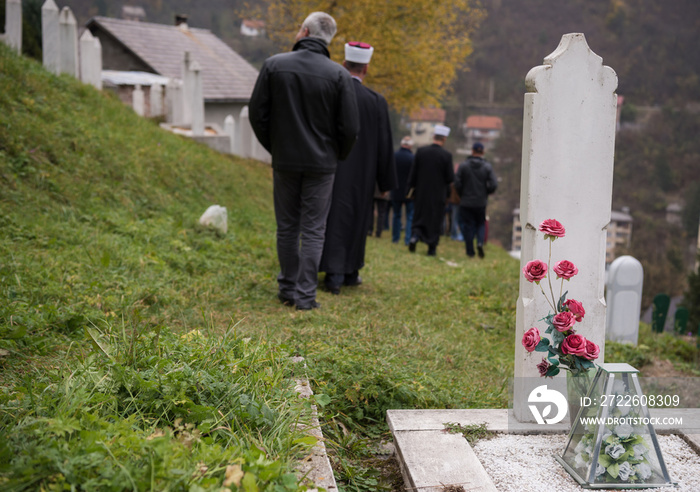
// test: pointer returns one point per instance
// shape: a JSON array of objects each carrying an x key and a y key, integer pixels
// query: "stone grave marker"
[
  {"x": 197, "y": 100},
  {"x": 50, "y": 36},
  {"x": 230, "y": 130},
  {"x": 156, "y": 100},
  {"x": 567, "y": 173},
  {"x": 245, "y": 134},
  {"x": 659, "y": 312},
  {"x": 138, "y": 100},
  {"x": 173, "y": 97},
  {"x": 13, "y": 24},
  {"x": 90, "y": 59},
  {"x": 68, "y": 42},
  {"x": 624, "y": 299},
  {"x": 186, "y": 94}
]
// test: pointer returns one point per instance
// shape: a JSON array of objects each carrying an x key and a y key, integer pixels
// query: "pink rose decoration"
[
  {"x": 565, "y": 269},
  {"x": 531, "y": 338},
  {"x": 564, "y": 321},
  {"x": 576, "y": 308},
  {"x": 535, "y": 271},
  {"x": 543, "y": 366},
  {"x": 592, "y": 350},
  {"x": 574, "y": 344},
  {"x": 552, "y": 228}
]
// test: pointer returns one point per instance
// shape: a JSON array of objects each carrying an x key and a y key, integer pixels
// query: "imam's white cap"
[
  {"x": 357, "y": 52},
  {"x": 442, "y": 130}
]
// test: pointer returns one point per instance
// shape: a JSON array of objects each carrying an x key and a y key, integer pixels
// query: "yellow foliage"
[{"x": 418, "y": 44}]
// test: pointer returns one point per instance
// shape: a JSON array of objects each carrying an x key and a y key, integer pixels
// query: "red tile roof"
[
  {"x": 485, "y": 122},
  {"x": 429, "y": 114}
]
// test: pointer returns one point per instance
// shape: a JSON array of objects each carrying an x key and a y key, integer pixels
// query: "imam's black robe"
[
  {"x": 430, "y": 177},
  {"x": 370, "y": 162}
]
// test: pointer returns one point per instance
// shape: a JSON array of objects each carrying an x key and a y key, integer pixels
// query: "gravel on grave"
[{"x": 521, "y": 463}]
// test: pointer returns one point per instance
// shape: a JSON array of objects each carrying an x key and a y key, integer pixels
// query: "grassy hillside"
[{"x": 138, "y": 350}]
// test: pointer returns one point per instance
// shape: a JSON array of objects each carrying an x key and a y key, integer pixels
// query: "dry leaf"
[{"x": 233, "y": 475}]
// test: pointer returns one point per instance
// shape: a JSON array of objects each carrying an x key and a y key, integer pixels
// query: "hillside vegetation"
[
  {"x": 131, "y": 336},
  {"x": 141, "y": 351}
]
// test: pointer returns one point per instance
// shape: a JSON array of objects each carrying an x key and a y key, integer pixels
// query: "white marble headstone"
[
  {"x": 50, "y": 47},
  {"x": 245, "y": 134},
  {"x": 138, "y": 100},
  {"x": 156, "y": 100},
  {"x": 230, "y": 130},
  {"x": 68, "y": 42},
  {"x": 187, "y": 87},
  {"x": 197, "y": 100},
  {"x": 13, "y": 24},
  {"x": 624, "y": 299},
  {"x": 567, "y": 173}
]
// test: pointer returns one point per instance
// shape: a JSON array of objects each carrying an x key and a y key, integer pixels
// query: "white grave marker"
[
  {"x": 173, "y": 97},
  {"x": 567, "y": 172},
  {"x": 624, "y": 299},
  {"x": 13, "y": 24},
  {"x": 156, "y": 100},
  {"x": 90, "y": 60},
  {"x": 245, "y": 134},
  {"x": 138, "y": 100},
  {"x": 197, "y": 100},
  {"x": 50, "y": 44},
  {"x": 230, "y": 130},
  {"x": 186, "y": 94},
  {"x": 68, "y": 42}
]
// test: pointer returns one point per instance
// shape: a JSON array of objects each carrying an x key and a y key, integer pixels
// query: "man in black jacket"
[
  {"x": 304, "y": 112},
  {"x": 474, "y": 182}
]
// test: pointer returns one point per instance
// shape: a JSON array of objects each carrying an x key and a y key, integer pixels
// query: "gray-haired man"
[{"x": 304, "y": 112}]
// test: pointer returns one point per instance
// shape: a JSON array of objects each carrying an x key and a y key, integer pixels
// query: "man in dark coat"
[
  {"x": 430, "y": 177},
  {"x": 474, "y": 182},
  {"x": 304, "y": 112},
  {"x": 404, "y": 161},
  {"x": 370, "y": 162}
]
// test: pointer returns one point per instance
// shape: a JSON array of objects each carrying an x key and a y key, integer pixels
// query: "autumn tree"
[{"x": 419, "y": 44}]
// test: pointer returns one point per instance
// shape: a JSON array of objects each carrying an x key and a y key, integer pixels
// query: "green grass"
[{"x": 104, "y": 271}]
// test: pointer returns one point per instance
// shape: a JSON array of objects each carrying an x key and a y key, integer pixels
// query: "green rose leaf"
[
  {"x": 614, "y": 470},
  {"x": 543, "y": 346}
]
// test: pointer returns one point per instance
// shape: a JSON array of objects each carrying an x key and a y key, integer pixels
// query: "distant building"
[
  {"x": 673, "y": 213},
  {"x": 484, "y": 129},
  {"x": 619, "y": 233},
  {"x": 227, "y": 78},
  {"x": 422, "y": 124},
  {"x": 133, "y": 13},
  {"x": 253, "y": 28}
]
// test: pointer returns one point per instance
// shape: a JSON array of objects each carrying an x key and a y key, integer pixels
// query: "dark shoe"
[
  {"x": 412, "y": 245},
  {"x": 481, "y": 251},
  {"x": 285, "y": 300},
  {"x": 353, "y": 282},
  {"x": 333, "y": 289},
  {"x": 308, "y": 307},
  {"x": 432, "y": 250}
]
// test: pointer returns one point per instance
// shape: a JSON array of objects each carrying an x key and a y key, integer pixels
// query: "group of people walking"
[{"x": 332, "y": 154}]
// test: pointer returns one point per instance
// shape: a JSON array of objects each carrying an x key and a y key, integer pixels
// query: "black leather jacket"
[
  {"x": 475, "y": 181},
  {"x": 303, "y": 109}
]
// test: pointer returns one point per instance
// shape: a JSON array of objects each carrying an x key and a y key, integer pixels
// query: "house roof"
[
  {"x": 428, "y": 114},
  {"x": 485, "y": 122},
  {"x": 254, "y": 24},
  {"x": 225, "y": 74}
]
